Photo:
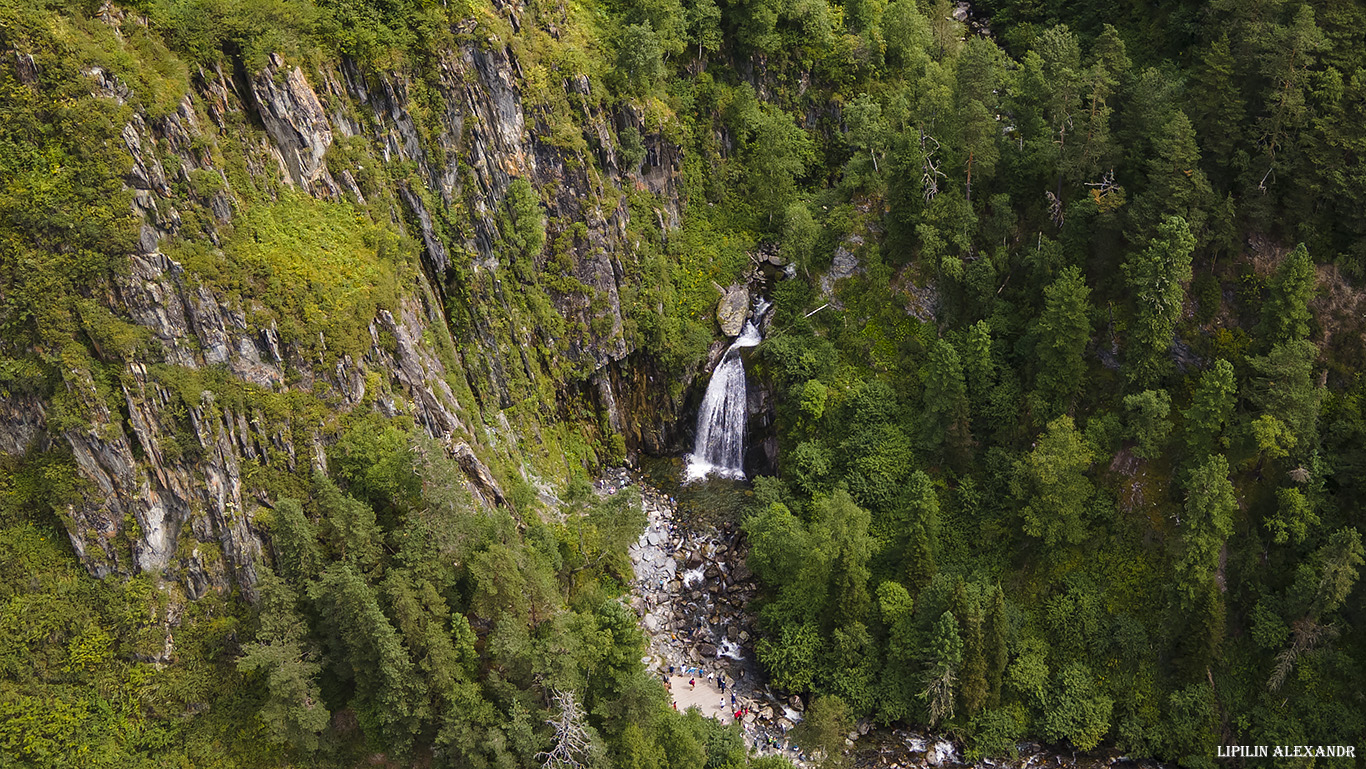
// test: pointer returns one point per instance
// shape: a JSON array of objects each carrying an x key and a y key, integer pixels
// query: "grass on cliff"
[{"x": 310, "y": 267}]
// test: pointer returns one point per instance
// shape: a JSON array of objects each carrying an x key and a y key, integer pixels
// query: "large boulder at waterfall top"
[{"x": 732, "y": 310}]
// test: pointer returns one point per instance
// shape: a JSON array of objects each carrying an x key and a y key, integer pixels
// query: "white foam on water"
[{"x": 720, "y": 444}]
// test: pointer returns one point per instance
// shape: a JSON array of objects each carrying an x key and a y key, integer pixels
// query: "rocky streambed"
[
  {"x": 691, "y": 592},
  {"x": 691, "y": 589}
]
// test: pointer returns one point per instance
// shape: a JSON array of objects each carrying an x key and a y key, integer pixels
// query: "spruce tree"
[
  {"x": 1157, "y": 278},
  {"x": 1211, "y": 409},
  {"x": 1285, "y": 315},
  {"x": 1062, "y": 331},
  {"x": 1052, "y": 484},
  {"x": 946, "y": 401},
  {"x": 1206, "y": 522}
]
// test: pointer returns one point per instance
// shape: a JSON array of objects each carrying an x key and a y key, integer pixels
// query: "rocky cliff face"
[{"x": 170, "y": 452}]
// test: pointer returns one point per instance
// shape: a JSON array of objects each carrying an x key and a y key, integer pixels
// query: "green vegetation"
[{"x": 1075, "y": 452}]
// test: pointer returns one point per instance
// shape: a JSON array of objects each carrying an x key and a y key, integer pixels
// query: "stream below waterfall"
[{"x": 693, "y": 594}]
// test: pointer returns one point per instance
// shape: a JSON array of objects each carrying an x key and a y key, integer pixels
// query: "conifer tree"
[
  {"x": 946, "y": 657},
  {"x": 349, "y": 523},
  {"x": 296, "y": 543},
  {"x": 1283, "y": 389},
  {"x": 1211, "y": 409},
  {"x": 1052, "y": 484},
  {"x": 1285, "y": 315},
  {"x": 1217, "y": 107},
  {"x": 1207, "y": 521},
  {"x": 971, "y": 613},
  {"x": 576, "y": 744},
  {"x": 368, "y": 650},
  {"x": 1148, "y": 422},
  {"x": 1062, "y": 331},
  {"x": 997, "y": 649},
  {"x": 293, "y": 712},
  {"x": 946, "y": 401},
  {"x": 922, "y": 531},
  {"x": 1157, "y": 278}
]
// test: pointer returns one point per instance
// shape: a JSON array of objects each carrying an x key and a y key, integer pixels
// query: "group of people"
[{"x": 692, "y": 673}]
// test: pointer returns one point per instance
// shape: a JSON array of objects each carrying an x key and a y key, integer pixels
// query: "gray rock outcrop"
[
  {"x": 733, "y": 309},
  {"x": 170, "y": 455}
]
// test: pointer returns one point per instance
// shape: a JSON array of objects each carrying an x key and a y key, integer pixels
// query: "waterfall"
[{"x": 720, "y": 445}]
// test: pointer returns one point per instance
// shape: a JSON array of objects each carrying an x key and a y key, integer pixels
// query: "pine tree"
[{"x": 1101, "y": 82}]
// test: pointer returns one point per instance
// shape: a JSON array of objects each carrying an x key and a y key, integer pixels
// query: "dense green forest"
[{"x": 1074, "y": 451}]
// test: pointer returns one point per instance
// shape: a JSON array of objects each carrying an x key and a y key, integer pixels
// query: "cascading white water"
[{"x": 720, "y": 444}]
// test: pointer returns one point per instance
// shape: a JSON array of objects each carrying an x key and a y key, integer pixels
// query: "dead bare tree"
[
  {"x": 929, "y": 179},
  {"x": 939, "y": 693},
  {"x": 1054, "y": 208},
  {"x": 1106, "y": 185},
  {"x": 574, "y": 747},
  {"x": 1307, "y": 633}
]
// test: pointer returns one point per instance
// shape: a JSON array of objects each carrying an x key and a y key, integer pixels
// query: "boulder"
[
  {"x": 733, "y": 309},
  {"x": 796, "y": 703}
]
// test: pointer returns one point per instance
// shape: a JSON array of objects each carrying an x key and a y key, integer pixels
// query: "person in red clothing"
[{"x": 692, "y": 683}]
